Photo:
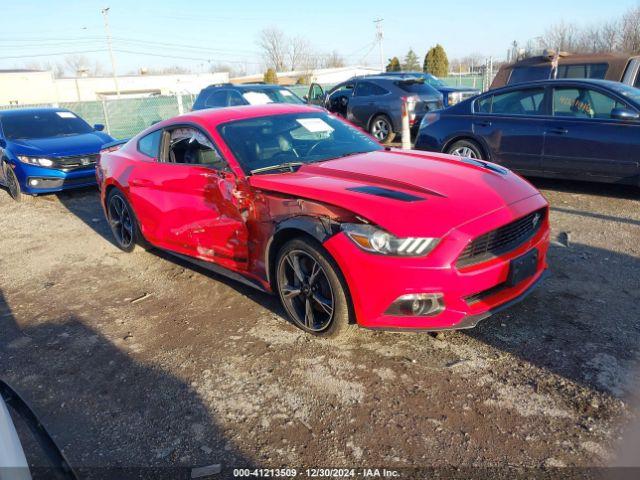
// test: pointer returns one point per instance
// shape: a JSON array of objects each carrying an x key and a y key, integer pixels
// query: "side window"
[
  {"x": 483, "y": 105},
  {"x": 316, "y": 92},
  {"x": 235, "y": 99},
  {"x": 188, "y": 145},
  {"x": 216, "y": 98},
  {"x": 343, "y": 88},
  {"x": 150, "y": 144},
  {"x": 585, "y": 70},
  {"x": 583, "y": 103},
  {"x": 528, "y": 74},
  {"x": 519, "y": 102},
  {"x": 368, "y": 89}
]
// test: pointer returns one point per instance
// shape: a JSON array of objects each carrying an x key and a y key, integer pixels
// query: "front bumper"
[
  {"x": 35, "y": 180},
  {"x": 470, "y": 294}
]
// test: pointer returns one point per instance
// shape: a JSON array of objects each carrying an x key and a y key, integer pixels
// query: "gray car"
[{"x": 374, "y": 103}]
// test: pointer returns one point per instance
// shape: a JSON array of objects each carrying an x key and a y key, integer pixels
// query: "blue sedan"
[
  {"x": 47, "y": 150},
  {"x": 574, "y": 129}
]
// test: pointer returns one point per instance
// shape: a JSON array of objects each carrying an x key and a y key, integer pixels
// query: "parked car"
[
  {"x": 374, "y": 103},
  {"x": 24, "y": 439},
  {"x": 45, "y": 150},
  {"x": 575, "y": 129},
  {"x": 229, "y": 95},
  {"x": 450, "y": 94},
  {"x": 295, "y": 201},
  {"x": 614, "y": 67}
]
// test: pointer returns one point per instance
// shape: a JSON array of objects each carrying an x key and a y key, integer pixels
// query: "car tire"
[
  {"x": 466, "y": 148},
  {"x": 13, "y": 185},
  {"x": 315, "y": 297},
  {"x": 123, "y": 221},
  {"x": 382, "y": 129}
]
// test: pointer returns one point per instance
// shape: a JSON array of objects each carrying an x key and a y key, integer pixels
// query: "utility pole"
[
  {"x": 379, "y": 38},
  {"x": 105, "y": 14}
]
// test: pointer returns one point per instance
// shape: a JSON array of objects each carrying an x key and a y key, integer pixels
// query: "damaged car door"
[{"x": 195, "y": 198}]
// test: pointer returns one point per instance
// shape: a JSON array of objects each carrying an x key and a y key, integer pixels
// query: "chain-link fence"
[{"x": 125, "y": 117}]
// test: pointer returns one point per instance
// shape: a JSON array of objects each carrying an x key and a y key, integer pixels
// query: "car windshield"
[
  {"x": 433, "y": 80},
  {"x": 261, "y": 96},
  {"x": 43, "y": 124},
  {"x": 631, "y": 93},
  {"x": 268, "y": 144}
]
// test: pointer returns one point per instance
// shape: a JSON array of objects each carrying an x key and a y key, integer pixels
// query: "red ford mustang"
[{"x": 294, "y": 201}]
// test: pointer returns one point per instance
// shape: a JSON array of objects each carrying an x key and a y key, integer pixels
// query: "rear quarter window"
[
  {"x": 529, "y": 74},
  {"x": 150, "y": 144},
  {"x": 585, "y": 70}
]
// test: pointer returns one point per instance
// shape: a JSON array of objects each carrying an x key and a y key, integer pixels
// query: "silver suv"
[{"x": 374, "y": 102}]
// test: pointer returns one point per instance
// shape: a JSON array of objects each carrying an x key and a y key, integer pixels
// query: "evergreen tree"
[
  {"x": 411, "y": 63},
  {"x": 271, "y": 77},
  {"x": 393, "y": 65},
  {"x": 436, "y": 62}
]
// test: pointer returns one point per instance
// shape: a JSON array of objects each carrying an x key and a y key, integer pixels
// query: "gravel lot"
[{"x": 141, "y": 360}]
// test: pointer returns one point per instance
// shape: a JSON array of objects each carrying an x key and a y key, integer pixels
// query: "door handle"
[
  {"x": 483, "y": 123},
  {"x": 558, "y": 131}
]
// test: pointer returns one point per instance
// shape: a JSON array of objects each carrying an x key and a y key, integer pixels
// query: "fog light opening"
[
  {"x": 417, "y": 305},
  {"x": 34, "y": 182}
]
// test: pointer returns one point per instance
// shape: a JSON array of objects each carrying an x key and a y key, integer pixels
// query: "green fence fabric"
[{"x": 126, "y": 117}]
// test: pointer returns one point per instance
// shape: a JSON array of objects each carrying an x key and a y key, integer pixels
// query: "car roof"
[
  {"x": 210, "y": 118},
  {"x": 247, "y": 86},
  {"x": 17, "y": 111}
]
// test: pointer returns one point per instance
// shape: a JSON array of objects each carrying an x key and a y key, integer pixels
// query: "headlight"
[
  {"x": 41, "y": 162},
  {"x": 454, "y": 97},
  {"x": 376, "y": 240}
]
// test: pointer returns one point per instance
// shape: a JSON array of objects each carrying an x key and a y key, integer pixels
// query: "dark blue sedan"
[
  {"x": 46, "y": 150},
  {"x": 575, "y": 129}
]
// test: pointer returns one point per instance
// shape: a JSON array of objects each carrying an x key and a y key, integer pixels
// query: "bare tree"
[
  {"x": 274, "y": 48},
  {"x": 561, "y": 36},
  {"x": 333, "y": 60},
  {"x": 73, "y": 65},
  {"x": 630, "y": 36},
  {"x": 299, "y": 51}
]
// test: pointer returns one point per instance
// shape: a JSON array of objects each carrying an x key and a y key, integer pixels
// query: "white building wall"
[
  {"x": 24, "y": 88},
  {"x": 27, "y": 87}
]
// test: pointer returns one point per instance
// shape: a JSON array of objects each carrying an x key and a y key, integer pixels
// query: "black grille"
[
  {"x": 502, "y": 240},
  {"x": 68, "y": 182},
  {"x": 477, "y": 297},
  {"x": 75, "y": 162}
]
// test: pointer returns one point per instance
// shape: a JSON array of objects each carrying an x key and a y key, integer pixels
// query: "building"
[{"x": 29, "y": 87}]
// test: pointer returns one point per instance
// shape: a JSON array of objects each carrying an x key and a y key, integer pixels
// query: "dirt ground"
[{"x": 142, "y": 360}]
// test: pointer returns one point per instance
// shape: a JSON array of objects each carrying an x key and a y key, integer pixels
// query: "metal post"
[
  {"x": 105, "y": 112},
  {"x": 406, "y": 132},
  {"x": 180, "y": 105},
  {"x": 379, "y": 37},
  {"x": 105, "y": 14}
]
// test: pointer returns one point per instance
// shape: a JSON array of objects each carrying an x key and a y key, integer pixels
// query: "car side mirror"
[
  {"x": 98, "y": 127},
  {"x": 624, "y": 114}
]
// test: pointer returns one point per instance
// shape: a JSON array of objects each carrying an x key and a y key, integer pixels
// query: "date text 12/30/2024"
[{"x": 315, "y": 473}]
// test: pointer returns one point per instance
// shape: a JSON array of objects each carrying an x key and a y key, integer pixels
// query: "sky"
[{"x": 200, "y": 33}]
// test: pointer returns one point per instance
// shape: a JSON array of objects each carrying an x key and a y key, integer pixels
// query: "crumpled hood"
[
  {"x": 84, "y": 144},
  {"x": 407, "y": 193}
]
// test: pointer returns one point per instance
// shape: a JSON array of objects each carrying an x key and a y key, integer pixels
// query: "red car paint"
[{"x": 229, "y": 219}]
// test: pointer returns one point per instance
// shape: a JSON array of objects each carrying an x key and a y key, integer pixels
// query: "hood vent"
[
  {"x": 386, "y": 193},
  {"x": 482, "y": 164}
]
